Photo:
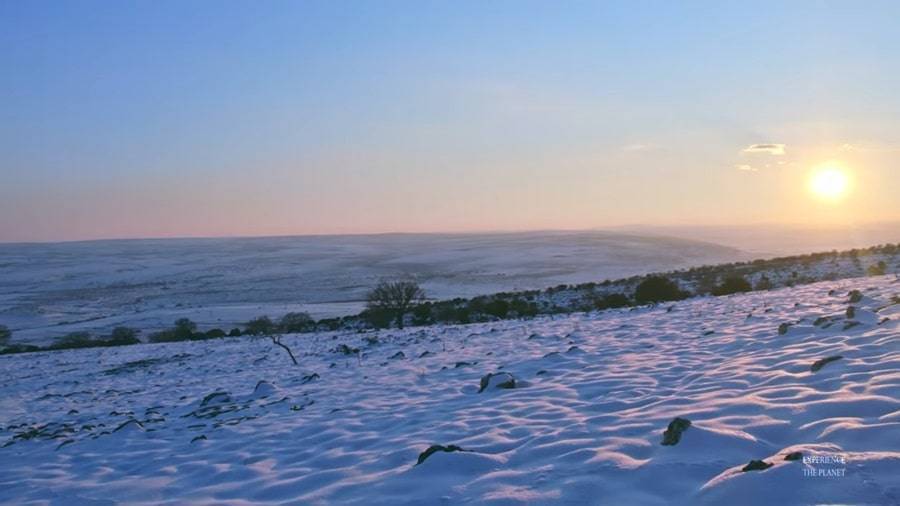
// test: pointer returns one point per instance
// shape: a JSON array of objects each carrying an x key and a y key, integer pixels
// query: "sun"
[{"x": 829, "y": 182}]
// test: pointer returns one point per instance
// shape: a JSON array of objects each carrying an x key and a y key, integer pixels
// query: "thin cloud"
[
  {"x": 637, "y": 147},
  {"x": 746, "y": 168},
  {"x": 769, "y": 149}
]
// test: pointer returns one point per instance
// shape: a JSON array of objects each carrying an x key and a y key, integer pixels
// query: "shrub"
[
  {"x": 235, "y": 332},
  {"x": 215, "y": 333},
  {"x": 878, "y": 269},
  {"x": 422, "y": 314},
  {"x": 657, "y": 289},
  {"x": 523, "y": 308},
  {"x": 733, "y": 284},
  {"x": 19, "y": 348},
  {"x": 260, "y": 326},
  {"x": 296, "y": 322},
  {"x": 764, "y": 283},
  {"x": 163, "y": 336},
  {"x": 184, "y": 329},
  {"x": 122, "y": 336},
  {"x": 612, "y": 301},
  {"x": 497, "y": 307},
  {"x": 79, "y": 339},
  {"x": 394, "y": 298},
  {"x": 378, "y": 318}
]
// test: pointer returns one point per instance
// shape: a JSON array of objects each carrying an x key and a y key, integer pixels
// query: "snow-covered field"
[
  {"x": 48, "y": 290},
  {"x": 233, "y": 421}
]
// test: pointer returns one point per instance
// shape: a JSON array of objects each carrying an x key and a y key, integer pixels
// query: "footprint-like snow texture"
[{"x": 232, "y": 422}]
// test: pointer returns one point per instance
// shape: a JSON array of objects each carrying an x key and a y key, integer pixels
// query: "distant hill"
[{"x": 52, "y": 289}]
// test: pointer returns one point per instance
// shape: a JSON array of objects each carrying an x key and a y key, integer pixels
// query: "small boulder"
[
  {"x": 756, "y": 465},
  {"x": 672, "y": 434},
  {"x": 263, "y": 389},
  {"x": 818, "y": 364},
  {"x": 216, "y": 398},
  {"x": 346, "y": 350},
  {"x": 437, "y": 448},
  {"x": 503, "y": 380}
]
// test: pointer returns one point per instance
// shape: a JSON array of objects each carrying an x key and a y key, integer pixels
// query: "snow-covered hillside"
[{"x": 233, "y": 421}]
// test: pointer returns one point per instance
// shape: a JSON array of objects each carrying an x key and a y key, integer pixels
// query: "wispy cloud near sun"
[{"x": 768, "y": 149}]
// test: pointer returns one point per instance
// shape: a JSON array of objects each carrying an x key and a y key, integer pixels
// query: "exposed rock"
[
  {"x": 216, "y": 398},
  {"x": 346, "y": 350},
  {"x": 818, "y": 364},
  {"x": 783, "y": 328},
  {"x": 497, "y": 380},
  {"x": 437, "y": 448},
  {"x": 425, "y": 353},
  {"x": 672, "y": 434},
  {"x": 756, "y": 465},
  {"x": 263, "y": 389},
  {"x": 793, "y": 456},
  {"x": 130, "y": 424},
  {"x": 398, "y": 356}
]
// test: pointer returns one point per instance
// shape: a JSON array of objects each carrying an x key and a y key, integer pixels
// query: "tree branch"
[{"x": 276, "y": 340}]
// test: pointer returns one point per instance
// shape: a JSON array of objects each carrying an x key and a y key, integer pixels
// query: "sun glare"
[{"x": 829, "y": 182}]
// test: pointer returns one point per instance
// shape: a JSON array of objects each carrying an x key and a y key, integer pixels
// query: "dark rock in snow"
[
  {"x": 756, "y": 465},
  {"x": 793, "y": 456},
  {"x": 398, "y": 356},
  {"x": 503, "y": 380},
  {"x": 672, "y": 434},
  {"x": 437, "y": 448},
  {"x": 216, "y": 397},
  {"x": 346, "y": 350},
  {"x": 263, "y": 389},
  {"x": 783, "y": 328},
  {"x": 818, "y": 364}
]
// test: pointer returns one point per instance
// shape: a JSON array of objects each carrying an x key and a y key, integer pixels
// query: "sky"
[{"x": 227, "y": 118}]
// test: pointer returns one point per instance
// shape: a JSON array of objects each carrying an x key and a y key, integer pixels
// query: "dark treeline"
[{"x": 402, "y": 303}]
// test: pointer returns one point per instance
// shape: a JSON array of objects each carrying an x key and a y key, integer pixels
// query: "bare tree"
[{"x": 394, "y": 298}]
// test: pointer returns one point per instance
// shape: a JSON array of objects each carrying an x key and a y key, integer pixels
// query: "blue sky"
[{"x": 136, "y": 119}]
